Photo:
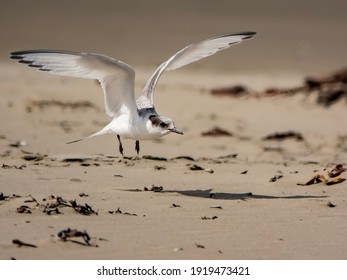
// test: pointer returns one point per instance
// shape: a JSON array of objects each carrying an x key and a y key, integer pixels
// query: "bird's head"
[{"x": 162, "y": 125}]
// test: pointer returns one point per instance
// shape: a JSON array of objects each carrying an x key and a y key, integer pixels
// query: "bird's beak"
[{"x": 176, "y": 130}]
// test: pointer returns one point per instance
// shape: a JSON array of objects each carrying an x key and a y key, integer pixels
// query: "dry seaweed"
[
  {"x": 118, "y": 211},
  {"x": 24, "y": 209},
  {"x": 329, "y": 89},
  {"x": 321, "y": 179},
  {"x": 54, "y": 206},
  {"x": 233, "y": 91},
  {"x": 6, "y": 166},
  {"x": 334, "y": 181},
  {"x": 153, "y": 188},
  {"x": 33, "y": 157},
  {"x": 18, "y": 144},
  {"x": 275, "y": 178},
  {"x": 175, "y": 205},
  {"x": 4, "y": 197},
  {"x": 217, "y": 131},
  {"x": 83, "y": 195},
  {"x": 338, "y": 169},
  {"x": 67, "y": 234},
  {"x": 329, "y": 96},
  {"x": 228, "y": 156},
  {"x": 154, "y": 158},
  {"x": 184, "y": 157},
  {"x": 217, "y": 207},
  {"x": 82, "y": 209},
  {"x": 21, "y": 243},
  {"x": 314, "y": 180},
  {"x": 209, "y": 218},
  {"x": 43, "y": 104},
  {"x": 331, "y": 205},
  {"x": 282, "y": 91},
  {"x": 196, "y": 167},
  {"x": 31, "y": 200},
  {"x": 159, "y": 167},
  {"x": 279, "y": 136}
]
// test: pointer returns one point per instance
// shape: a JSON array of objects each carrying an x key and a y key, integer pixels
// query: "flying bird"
[{"x": 131, "y": 119}]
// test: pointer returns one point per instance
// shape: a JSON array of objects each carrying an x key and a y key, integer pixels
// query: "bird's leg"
[
  {"x": 137, "y": 146},
  {"x": 120, "y": 145}
]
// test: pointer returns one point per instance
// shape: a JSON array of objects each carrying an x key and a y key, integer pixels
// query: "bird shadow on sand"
[{"x": 208, "y": 193}]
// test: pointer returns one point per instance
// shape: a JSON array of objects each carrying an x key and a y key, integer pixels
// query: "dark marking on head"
[
  {"x": 163, "y": 125},
  {"x": 156, "y": 121}
]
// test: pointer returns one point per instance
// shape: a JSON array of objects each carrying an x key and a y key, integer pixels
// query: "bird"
[{"x": 132, "y": 118}]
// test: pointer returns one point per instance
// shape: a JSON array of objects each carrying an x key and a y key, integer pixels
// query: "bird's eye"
[{"x": 162, "y": 124}]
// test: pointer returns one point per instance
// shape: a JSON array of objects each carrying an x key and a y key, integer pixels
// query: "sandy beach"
[{"x": 236, "y": 185}]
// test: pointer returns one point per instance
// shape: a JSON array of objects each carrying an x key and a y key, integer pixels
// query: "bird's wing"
[
  {"x": 188, "y": 55},
  {"x": 115, "y": 77}
]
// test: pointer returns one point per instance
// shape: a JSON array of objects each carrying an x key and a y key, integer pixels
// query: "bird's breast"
[{"x": 136, "y": 129}]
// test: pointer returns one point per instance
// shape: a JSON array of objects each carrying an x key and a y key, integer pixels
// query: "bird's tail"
[{"x": 101, "y": 132}]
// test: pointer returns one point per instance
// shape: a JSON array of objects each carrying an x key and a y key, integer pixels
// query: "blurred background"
[{"x": 306, "y": 37}]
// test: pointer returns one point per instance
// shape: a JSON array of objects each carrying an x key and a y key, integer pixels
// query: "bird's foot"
[
  {"x": 120, "y": 146},
  {"x": 137, "y": 147}
]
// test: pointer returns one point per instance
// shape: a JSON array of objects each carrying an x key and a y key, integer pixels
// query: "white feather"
[
  {"x": 116, "y": 77},
  {"x": 188, "y": 55}
]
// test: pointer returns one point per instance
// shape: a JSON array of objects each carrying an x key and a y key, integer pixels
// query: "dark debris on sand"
[
  {"x": 154, "y": 188},
  {"x": 331, "y": 205},
  {"x": 329, "y": 89},
  {"x": 20, "y": 167},
  {"x": 275, "y": 178},
  {"x": 184, "y": 158},
  {"x": 4, "y": 197},
  {"x": 20, "y": 243},
  {"x": 199, "y": 246},
  {"x": 217, "y": 131},
  {"x": 233, "y": 91},
  {"x": 337, "y": 170},
  {"x": 33, "y": 157},
  {"x": 279, "y": 136},
  {"x": 195, "y": 167},
  {"x": 44, "y": 104},
  {"x": 118, "y": 211},
  {"x": 24, "y": 209},
  {"x": 175, "y": 205},
  {"x": 209, "y": 218},
  {"x": 68, "y": 234},
  {"x": 54, "y": 206},
  {"x": 154, "y": 158},
  {"x": 333, "y": 174}
]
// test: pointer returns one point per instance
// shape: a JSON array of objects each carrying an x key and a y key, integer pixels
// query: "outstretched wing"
[
  {"x": 188, "y": 55},
  {"x": 115, "y": 77}
]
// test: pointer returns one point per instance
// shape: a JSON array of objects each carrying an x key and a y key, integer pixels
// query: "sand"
[{"x": 214, "y": 197}]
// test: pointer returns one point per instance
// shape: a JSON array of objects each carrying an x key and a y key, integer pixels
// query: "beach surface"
[{"x": 237, "y": 185}]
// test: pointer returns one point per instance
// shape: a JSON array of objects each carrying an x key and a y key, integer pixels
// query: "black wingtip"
[
  {"x": 15, "y": 55},
  {"x": 247, "y": 34},
  {"x": 20, "y": 56},
  {"x": 34, "y": 65},
  {"x": 18, "y": 53}
]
